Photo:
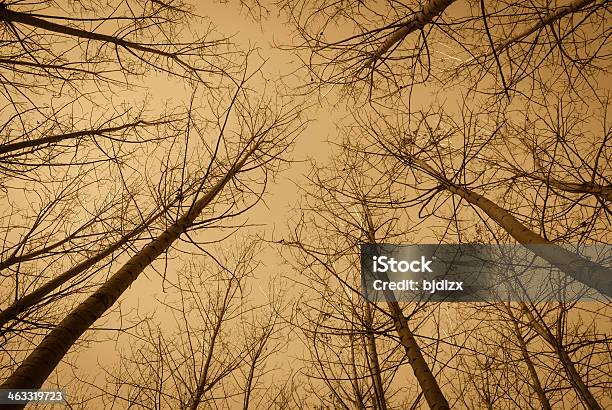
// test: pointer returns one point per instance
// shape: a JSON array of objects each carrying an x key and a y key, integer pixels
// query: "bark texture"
[
  {"x": 417, "y": 21},
  {"x": 583, "y": 270},
  {"x": 431, "y": 389}
]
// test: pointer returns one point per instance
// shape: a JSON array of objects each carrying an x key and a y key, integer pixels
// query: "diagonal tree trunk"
[
  {"x": 604, "y": 191},
  {"x": 35, "y": 369},
  {"x": 11, "y": 16},
  {"x": 17, "y": 146},
  {"x": 37, "y": 295},
  {"x": 581, "y": 269},
  {"x": 430, "y": 10},
  {"x": 533, "y": 374},
  {"x": 544, "y": 21},
  {"x": 572, "y": 374},
  {"x": 431, "y": 390}
]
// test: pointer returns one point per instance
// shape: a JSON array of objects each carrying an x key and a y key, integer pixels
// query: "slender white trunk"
[{"x": 581, "y": 269}]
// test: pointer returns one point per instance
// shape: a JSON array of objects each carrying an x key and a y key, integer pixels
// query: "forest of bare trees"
[{"x": 185, "y": 188}]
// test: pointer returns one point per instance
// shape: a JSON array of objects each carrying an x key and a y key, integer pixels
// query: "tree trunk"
[
  {"x": 379, "y": 391},
  {"x": 431, "y": 9},
  {"x": 535, "y": 380},
  {"x": 359, "y": 396},
  {"x": 16, "y": 146},
  {"x": 11, "y": 17},
  {"x": 431, "y": 390},
  {"x": 38, "y": 294},
  {"x": 581, "y": 269},
  {"x": 203, "y": 384},
  {"x": 572, "y": 374},
  {"x": 604, "y": 191},
  {"x": 546, "y": 20},
  {"x": 35, "y": 369}
]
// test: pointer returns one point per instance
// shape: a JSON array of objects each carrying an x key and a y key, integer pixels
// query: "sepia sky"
[{"x": 341, "y": 124}]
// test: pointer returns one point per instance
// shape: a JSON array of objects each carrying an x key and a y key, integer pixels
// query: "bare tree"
[
  {"x": 470, "y": 121},
  {"x": 70, "y": 128},
  {"x": 493, "y": 48},
  {"x": 428, "y": 148},
  {"x": 424, "y": 161},
  {"x": 215, "y": 349},
  {"x": 344, "y": 202},
  {"x": 111, "y": 175},
  {"x": 255, "y": 147},
  {"x": 516, "y": 152}
]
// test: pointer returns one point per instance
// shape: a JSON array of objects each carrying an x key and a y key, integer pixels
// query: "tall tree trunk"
[
  {"x": 34, "y": 297},
  {"x": 535, "y": 380},
  {"x": 35, "y": 369},
  {"x": 572, "y": 374},
  {"x": 379, "y": 391},
  {"x": 581, "y": 269},
  {"x": 431, "y": 390}
]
